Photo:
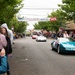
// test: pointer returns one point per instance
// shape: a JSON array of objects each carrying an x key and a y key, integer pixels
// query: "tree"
[
  {"x": 53, "y": 25},
  {"x": 8, "y": 8},
  {"x": 45, "y": 25},
  {"x": 68, "y": 7},
  {"x": 37, "y": 26},
  {"x": 19, "y": 27},
  {"x": 60, "y": 20}
]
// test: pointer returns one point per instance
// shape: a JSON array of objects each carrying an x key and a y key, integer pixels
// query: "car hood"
[
  {"x": 69, "y": 44},
  {"x": 40, "y": 37}
]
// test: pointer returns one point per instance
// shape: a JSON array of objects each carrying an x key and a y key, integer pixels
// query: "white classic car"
[{"x": 41, "y": 39}]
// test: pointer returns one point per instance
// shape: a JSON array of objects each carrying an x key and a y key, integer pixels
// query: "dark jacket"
[{"x": 8, "y": 48}]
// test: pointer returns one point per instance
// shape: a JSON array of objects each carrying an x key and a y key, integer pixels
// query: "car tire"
[
  {"x": 52, "y": 47},
  {"x": 58, "y": 50},
  {"x": 45, "y": 40},
  {"x": 37, "y": 40}
]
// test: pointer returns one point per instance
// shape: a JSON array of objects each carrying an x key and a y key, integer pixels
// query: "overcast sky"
[{"x": 38, "y": 8}]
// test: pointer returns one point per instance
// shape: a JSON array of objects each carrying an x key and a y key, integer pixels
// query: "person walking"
[{"x": 8, "y": 48}]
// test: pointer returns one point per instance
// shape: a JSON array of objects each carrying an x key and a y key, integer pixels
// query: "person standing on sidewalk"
[
  {"x": 10, "y": 33},
  {"x": 8, "y": 48},
  {"x": 3, "y": 62},
  {"x": 3, "y": 43}
]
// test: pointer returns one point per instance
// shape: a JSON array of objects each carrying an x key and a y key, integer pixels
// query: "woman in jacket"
[
  {"x": 8, "y": 48},
  {"x": 10, "y": 33}
]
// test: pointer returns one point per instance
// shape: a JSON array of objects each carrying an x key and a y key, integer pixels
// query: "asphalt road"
[{"x": 37, "y": 58}]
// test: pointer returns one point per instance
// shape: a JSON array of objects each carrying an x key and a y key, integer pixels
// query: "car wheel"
[
  {"x": 52, "y": 47},
  {"x": 45, "y": 40},
  {"x": 37, "y": 40},
  {"x": 58, "y": 50}
]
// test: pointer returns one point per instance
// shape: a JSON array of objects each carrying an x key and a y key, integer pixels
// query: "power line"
[
  {"x": 41, "y": 8},
  {"x": 34, "y": 14}
]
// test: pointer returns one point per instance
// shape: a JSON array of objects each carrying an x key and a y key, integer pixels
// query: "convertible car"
[
  {"x": 63, "y": 45},
  {"x": 41, "y": 38}
]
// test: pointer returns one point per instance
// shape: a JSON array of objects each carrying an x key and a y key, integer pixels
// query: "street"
[{"x": 37, "y": 58}]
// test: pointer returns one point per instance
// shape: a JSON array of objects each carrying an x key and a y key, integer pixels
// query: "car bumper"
[
  {"x": 41, "y": 40},
  {"x": 64, "y": 50},
  {"x": 33, "y": 37}
]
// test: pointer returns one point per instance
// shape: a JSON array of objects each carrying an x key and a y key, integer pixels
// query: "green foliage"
[
  {"x": 67, "y": 12},
  {"x": 45, "y": 25},
  {"x": 19, "y": 27},
  {"x": 60, "y": 20},
  {"x": 8, "y": 8},
  {"x": 69, "y": 8},
  {"x": 53, "y": 25},
  {"x": 37, "y": 26}
]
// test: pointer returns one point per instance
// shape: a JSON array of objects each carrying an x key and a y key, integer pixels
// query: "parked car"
[
  {"x": 41, "y": 38},
  {"x": 63, "y": 45}
]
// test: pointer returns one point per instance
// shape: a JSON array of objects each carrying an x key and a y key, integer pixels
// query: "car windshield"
[
  {"x": 66, "y": 40},
  {"x": 70, "y": 39}
]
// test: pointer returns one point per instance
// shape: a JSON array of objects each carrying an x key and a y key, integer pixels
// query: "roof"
[{"x": 70, "y": 25}]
